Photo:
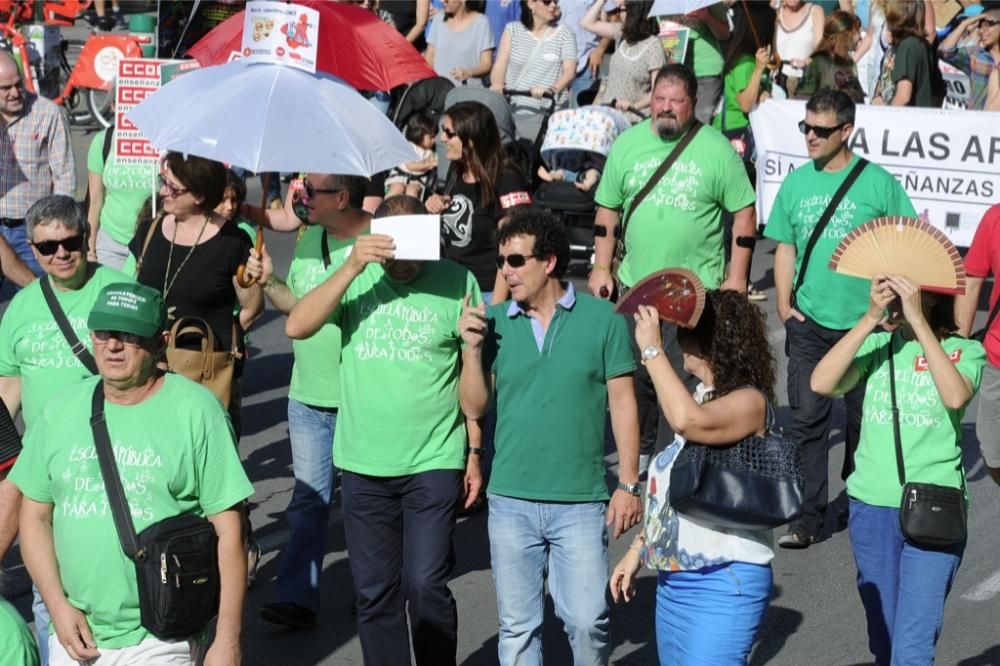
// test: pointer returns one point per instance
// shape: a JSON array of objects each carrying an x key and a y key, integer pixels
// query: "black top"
[
  {"x": 204, "y": 286},
  {"x": 10, "y": 441},
  {"x": 404, "y": 16},
  {"x": 468, "y": 229}
]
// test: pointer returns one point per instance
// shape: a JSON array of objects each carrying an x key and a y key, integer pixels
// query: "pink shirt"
[{"x": 983, "y": 260}]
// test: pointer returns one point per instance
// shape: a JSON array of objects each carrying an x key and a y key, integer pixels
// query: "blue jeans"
[
  {"x": 582, "y": 82},
  {"x": 710, "y": 616},
  {"x": 903, "y": 587},
  {"x": 310, "y": 430},
  {"x": 42, "y": 619},
  {"x": 569, "y": 541},
  {"x": 17, "y": 237}
]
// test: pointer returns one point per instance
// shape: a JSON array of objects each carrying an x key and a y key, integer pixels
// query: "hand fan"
[
  {"x": 677, "y": 294},
  {"x": 903, "y": 245}
]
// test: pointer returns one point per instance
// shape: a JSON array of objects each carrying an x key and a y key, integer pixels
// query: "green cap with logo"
[{"x": 129, "y": 307}]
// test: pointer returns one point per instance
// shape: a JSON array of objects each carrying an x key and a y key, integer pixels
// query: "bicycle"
[{"x": 83, "y": 81}]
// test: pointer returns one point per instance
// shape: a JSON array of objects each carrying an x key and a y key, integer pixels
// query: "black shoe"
[
  {"x": 288, "y": 614},
  {"x": 796, "y": 538}
]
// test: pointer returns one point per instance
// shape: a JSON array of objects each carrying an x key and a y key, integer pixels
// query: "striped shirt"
[
  {"x": 978, "y": 64},
  {"x": 535, "y": 62},
  {"x": 36, "y": 158}
]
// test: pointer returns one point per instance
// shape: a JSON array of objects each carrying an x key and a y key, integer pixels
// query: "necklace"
[{"x": 167, "y": 286}]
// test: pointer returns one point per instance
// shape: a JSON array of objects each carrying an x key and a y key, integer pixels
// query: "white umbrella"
[
  {"x": 271, "y": 118},
  {"x": 678, "y": 7}
]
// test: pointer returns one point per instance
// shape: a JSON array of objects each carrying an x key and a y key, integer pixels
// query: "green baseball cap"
[{"x": 129, "y": 307}]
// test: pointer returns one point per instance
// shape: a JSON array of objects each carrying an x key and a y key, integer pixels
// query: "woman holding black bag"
[
  {"x": 907, "y": 499},
  {"x": 714, "y": 582}
]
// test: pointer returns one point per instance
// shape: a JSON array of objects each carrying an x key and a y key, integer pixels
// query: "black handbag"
[
  {"x": 176, "y": 560},
  {"x": 755, "y": 484},
  {"x": 930, "y": 516}
]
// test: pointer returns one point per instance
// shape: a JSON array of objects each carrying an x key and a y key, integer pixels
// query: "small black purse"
[
  {"x": 930, "y": 516},
  {"x": 176, "y": 559},
  {"x": 755, "y": 484}
]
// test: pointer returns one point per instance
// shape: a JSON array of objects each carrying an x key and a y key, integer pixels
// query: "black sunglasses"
[
  {"x": 130, "y": 339},
  {"x": 549, "y": 2},
  {"x": 451, "y": 134},
  {"x": 49, "y": 247},
  {"x": 988, "y": 23},
  {"x": 313, "y": 191},
  {"x": 818, "y": 130},
  {"x": 514, "y": 260}
]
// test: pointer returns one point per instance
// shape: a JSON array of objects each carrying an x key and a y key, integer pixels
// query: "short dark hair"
[
  {"x": 681, "y": 74},
  {"x": 401, "y": 204},
  {"x": 419, "y": 125},
  {"x": 56, "y": 208},
  {"x": 236, "y": 183},
  {"x": 355, "y": 186},
  {"x": 837, "y": 101},
  {"x": 548, "y": 231},
  {"x": 201, "y": 176}
]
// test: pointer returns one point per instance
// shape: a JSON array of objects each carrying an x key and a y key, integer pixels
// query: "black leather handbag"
[
  {"x": 755, "y": 484},
  {"x": 930, "y": 516},
  {"x": 176, "y": 559}
]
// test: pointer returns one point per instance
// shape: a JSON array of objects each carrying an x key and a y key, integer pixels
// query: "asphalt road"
[{"x": 814, "y": 618}]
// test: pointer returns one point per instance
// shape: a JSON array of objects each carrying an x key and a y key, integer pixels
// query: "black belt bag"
[
  {"x": 930, "y": 516},
  {"x": 176, "y": 560}
]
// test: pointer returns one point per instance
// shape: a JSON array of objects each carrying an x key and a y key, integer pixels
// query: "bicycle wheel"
[
  {"x": 76, "y": 107},
  {"x": 101, "y": 104}
]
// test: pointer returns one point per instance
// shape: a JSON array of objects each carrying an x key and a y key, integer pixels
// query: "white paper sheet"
[{"x": 416, "y": 236}]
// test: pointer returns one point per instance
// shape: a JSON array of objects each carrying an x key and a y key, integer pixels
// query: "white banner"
[
  {"x": 948, "y": 161},
  {"x": 281, "y": 33}
]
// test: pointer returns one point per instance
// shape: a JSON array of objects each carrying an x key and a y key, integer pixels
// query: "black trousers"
[
  {"x": 655, "y": 434},
  {"x": 399, "y": 541},
  {"x": 806, "y": 343}
]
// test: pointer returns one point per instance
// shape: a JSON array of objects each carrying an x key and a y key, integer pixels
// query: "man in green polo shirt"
[
  {"x": 827, "y": 304},
  {"x": 557, "y": 361},
  {"x": 678, "y": 224},
  {"x": 400, "y": 439}
]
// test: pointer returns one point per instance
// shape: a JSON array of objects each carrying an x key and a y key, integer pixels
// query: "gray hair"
[{"x": 56, "y": 208}]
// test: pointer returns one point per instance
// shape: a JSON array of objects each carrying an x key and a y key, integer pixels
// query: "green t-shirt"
[
  {"x": 930, "y": 433},
  {"x": 126, "y": 188},
  {"x": 17, "y": 643},
  {"x": 552, "y": 404},
  {"x": 704, "y": 55},
  {"x": 831, "y": 299},
  {"x": 32, "y": 346},
  {"x": 176, "y": 454},
  {"x": 735, "y": 82},
  {"x": 316, "y": 372},
  {"x": 679, "y": 224},
  {"x": 399, "y": 410}
]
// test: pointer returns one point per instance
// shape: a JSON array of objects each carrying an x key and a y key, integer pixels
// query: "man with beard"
[{"x": 678, "y": 223}]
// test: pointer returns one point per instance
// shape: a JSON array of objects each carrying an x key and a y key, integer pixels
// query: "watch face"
[{"x": 650, "y": 353}]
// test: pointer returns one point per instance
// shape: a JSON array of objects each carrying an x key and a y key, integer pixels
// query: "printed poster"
[
  {"x": 675, "y": 38},
  {"x": 280, "y": 33},
  {"x": 138, "y": 78}
]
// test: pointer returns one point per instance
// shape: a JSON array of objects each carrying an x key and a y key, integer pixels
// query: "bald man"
[{"x": 36, "y": 158}]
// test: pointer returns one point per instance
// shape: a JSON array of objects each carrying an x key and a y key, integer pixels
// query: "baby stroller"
[
  {"x": 425, "y": 96},
  {"x": 577, "y": 140},
  {"x": 501, "y": 113}
]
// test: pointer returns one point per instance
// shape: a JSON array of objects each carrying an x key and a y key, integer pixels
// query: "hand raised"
[{"x": 472, "y": 323}]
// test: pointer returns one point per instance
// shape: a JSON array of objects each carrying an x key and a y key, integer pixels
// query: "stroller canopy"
[{"x": 590, "y": 129}]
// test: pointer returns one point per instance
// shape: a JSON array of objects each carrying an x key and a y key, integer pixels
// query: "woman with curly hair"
[{"x": 714, "y": 582}]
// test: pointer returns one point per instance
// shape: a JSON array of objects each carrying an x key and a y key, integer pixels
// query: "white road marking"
[{"x": 986, "y": 590}]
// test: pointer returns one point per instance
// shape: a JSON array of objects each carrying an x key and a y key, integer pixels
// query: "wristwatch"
[
  {"x": 649, "y": 353},
  {"x": 630, "y": 488}
]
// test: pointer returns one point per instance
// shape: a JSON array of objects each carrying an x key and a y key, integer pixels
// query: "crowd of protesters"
[{"x": 414, "y": 384}]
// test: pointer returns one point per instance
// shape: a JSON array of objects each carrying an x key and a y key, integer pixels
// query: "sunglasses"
[
  {"x": 50, "y": 247},
  {"x": 821, "y": 132},
  {"x": 988, "y": 23},
  {"x": 450, "y": 134},
  {"x": 514, "y": 260},
  {"x": 172, "y": 189},
  {"x": 313, "y": 191},
  {"x": 549, "y": 2},
  {"x": 130, "y": 339}
]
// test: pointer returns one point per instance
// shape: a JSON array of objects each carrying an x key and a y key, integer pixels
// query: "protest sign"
[
  {"x": 948, "y": 161},
  {"x": 138, "y": 78},
  {"x": 281, "y": 33},
  {"x": 674, "y": 37}
]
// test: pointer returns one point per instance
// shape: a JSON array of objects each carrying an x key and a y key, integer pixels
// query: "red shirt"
[{"x": 983, "y": 260}]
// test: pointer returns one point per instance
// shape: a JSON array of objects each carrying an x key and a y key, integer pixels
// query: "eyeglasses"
[
  {"x": 49, "y": 247},
  {"x": 819, "y": 131},
  {"x": 988, "y": 23},
  {"x": 514, "y": 260},
  {"x": 130, "y": 339},
  {"x": 449, "y": 133},
  {"x": 549, "y": 2},
  {"x": 313, "y": 191},
  {"x": 172, "y": 189}
]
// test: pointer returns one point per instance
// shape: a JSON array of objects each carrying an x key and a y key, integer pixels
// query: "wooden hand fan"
[
  {"x": 677, "y": 294},
  {"x": 903, "y": 245}
]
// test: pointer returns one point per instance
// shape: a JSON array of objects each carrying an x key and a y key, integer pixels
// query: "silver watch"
[
  {"x": 649, "y": 353},
  {"x": 630, "y": 488}
]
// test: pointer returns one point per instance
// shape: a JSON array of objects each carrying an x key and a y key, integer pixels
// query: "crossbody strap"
[
  {"x": 824, "y": 219},
  {"x": 153, "y": 224},
  {"x": 992, "y": 317},
  {"x": 112, "y": 481},
  {"x": 659, "y": 173},
  {"x": 79, "y": 350},
  {"x": 900, "y": 469}
]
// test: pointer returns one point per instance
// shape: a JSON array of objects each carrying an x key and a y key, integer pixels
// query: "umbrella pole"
[{"x": 265, "y": 181}]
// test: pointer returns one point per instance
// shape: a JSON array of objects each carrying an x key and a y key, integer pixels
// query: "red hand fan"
[{"x": 676, "y": 293}]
